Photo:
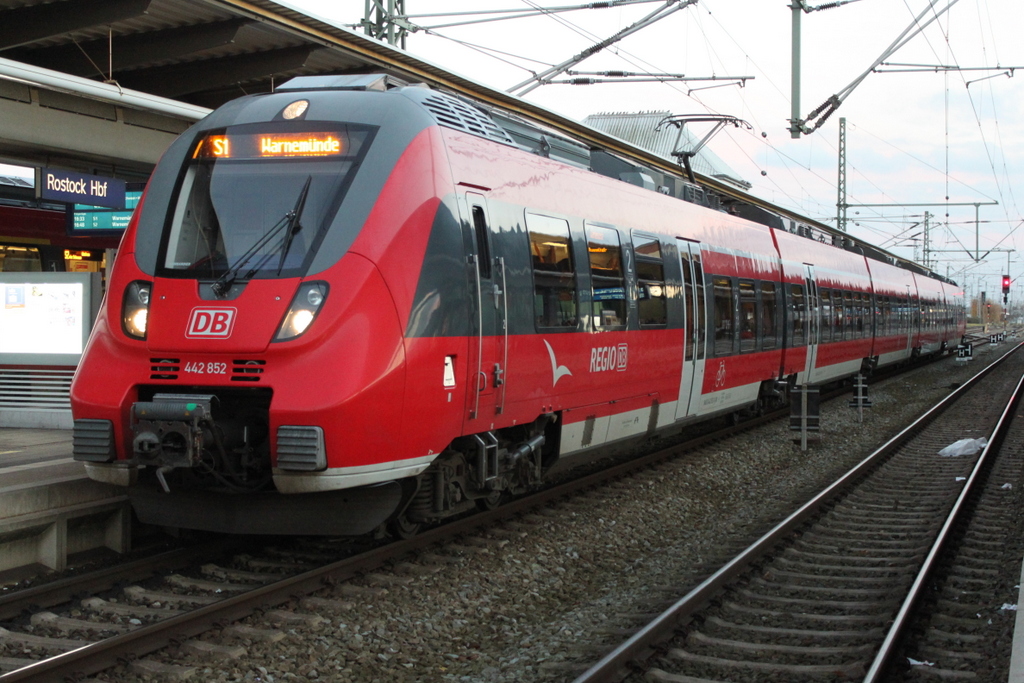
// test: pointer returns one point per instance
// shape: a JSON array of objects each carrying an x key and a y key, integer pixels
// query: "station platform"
[
  {"x": 49, "y": 508},
  {"x": 34, "y": 447}
]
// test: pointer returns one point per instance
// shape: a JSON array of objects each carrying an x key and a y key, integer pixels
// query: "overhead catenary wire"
[
  {"x": 829, "y": 106},
  {"x": 794, "y": 165},
  {"x": 509, "y": 14},
  {"x": 986, "y": 146},
  {"x": 530, "y": 84}
]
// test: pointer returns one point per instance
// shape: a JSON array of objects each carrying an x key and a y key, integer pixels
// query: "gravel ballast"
[{"x": 544, "y": 597}]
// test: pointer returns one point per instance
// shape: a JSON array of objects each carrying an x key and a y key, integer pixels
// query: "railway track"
[
  {"x": 191, "y": 609},
  {"x": 831, "y": 592},
  {"x": 190, "y": 599}
]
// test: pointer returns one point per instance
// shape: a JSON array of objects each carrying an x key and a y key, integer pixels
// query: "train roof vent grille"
[
  {"x": 453, "y": 113},
  {"x": 164, "y": 368},
  {"x": 301, "y": 448},
  {"x": 374, "y": 82}
]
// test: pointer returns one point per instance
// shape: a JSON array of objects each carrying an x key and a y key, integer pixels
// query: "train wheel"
[
  {"x": 492, "y": 501},
  {"x": 403, "y": 527}
]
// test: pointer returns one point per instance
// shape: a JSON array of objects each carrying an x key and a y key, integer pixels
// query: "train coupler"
[{"x": 171, "y": 431}]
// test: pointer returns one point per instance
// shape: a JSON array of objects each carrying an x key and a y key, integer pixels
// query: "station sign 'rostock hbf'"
[
  {"x": 79, "y": 188},
  {"x": 270, "y": 145}
]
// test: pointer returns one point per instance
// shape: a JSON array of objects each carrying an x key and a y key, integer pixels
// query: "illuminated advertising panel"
[{"x": 45, "y": 318}]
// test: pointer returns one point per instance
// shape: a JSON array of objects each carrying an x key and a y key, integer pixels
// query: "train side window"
[
  {"x": 861, "y": 303},
  {"x": 650, "y": 274},
  {"x": 20, "y": 260},
  {"x": 701, "y": 320},
  {"x": 849, "y": 316},
  {"x": 769, "y": 316},
  {"x": 848, "y": 327},
  {"x": 850, "y": 308},
  {"x": 689, "y": 302},
  {"x": 483, "y": 249},
  {"x": 865, "y": 314},
  {"x": 852, "y": 313},
  {"x": 839, "y": 316},
  {"x": 554, "y": 277},
  {"x": 725, "y": 315},
  {"x": 748, "y": 316},
  {"x": 609, "y": 283},
  {"x": 797, "y": 314},
  {"x": 826, "y": 314}
]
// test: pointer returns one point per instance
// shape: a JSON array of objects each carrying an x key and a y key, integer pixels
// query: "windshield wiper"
[
  {"x": 290, "y": 220},
  {"x": 293, "y": 223}
]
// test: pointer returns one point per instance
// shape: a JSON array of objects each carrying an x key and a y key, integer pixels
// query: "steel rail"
[
  {"x": 13, "y": 604},
  {"x": 95, "y": 657},
  {"x": 976, "y": 479},
  {"x": 617, "y": 662}
]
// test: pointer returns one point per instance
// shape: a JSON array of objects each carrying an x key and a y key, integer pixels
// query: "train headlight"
[
  {"x": 306, "y": 304},
  {"x": 135, "y": 309}
]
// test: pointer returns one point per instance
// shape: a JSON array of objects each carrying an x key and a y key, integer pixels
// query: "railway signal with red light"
[{"x": 1006, "y": 284}]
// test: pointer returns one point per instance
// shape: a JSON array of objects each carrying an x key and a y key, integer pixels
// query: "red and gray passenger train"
[{"x": 344, "y": 304}]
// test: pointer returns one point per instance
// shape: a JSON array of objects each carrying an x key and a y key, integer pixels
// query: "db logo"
[{"x": 211, "y": 322}]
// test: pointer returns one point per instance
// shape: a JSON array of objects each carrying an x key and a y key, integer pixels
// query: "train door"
[
  {"x": 488, "y": 362},
  {"x": 811, "y": 316},
  {"x": 694, "y": 331}
]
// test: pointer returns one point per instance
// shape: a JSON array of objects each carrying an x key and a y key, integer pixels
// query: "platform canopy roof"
[
  {"x": 197, "y": 51},
  {"x": 93, "y": 58}
]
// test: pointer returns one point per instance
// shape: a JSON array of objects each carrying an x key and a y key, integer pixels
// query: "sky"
[{"x": 927, "y": 137}]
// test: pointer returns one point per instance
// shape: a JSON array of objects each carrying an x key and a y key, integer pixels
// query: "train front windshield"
[{"x": 255, "y": 200}]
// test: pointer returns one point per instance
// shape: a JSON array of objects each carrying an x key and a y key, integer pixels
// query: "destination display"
[
  {"x": 84, "y": 219},
  {"x": 268, "y": 145}
]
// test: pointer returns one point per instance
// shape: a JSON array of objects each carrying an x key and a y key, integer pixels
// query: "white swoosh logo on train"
[{"x": 557, "y": 371}]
